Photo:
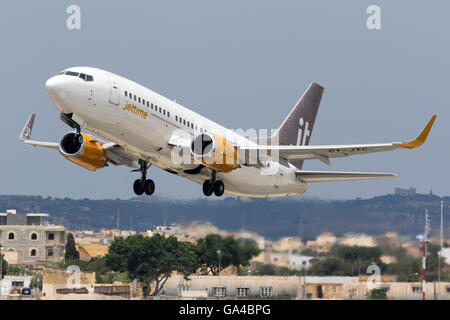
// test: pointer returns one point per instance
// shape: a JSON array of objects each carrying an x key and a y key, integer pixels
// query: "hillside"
[{"x": 270, "y": 218}]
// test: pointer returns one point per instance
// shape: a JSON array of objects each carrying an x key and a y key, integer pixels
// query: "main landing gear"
[
  {"x": 213, "y": 185},
  {"x": 143, "y": 185}
]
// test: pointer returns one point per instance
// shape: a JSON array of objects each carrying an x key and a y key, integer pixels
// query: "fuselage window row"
[{"x": 160, "y": 110}]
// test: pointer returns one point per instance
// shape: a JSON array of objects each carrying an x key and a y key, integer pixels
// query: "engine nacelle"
[
  {"x": 83, "y": 150},
  {"x": 215, "y": 152}
]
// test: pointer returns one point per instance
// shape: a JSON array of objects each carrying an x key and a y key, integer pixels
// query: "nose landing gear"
[
  {"x": 143, "y": 185},
  {"x": 213, "y": 185}
]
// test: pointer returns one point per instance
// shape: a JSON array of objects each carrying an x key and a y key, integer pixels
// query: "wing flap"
[{"x": 327, "y": 176}]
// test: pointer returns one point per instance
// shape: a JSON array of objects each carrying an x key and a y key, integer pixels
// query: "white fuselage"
[{"x": 100, "y": 107}]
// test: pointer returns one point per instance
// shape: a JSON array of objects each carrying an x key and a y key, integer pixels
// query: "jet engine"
[
  {"x": 83, "y": 150},
  {"x": 215, "y": 152}
]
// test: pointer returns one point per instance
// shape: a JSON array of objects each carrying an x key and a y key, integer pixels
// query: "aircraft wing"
[
  {"x": 325, "y": 152},
  {"x": 115, "y": 154},
  {"x": 325, "y": 176}
]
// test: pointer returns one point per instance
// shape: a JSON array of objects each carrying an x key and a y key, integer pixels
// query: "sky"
[{"x": 243, "y": 64}]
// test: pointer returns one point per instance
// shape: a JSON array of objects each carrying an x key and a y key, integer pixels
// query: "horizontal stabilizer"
[{"x": 324, "y": 176}]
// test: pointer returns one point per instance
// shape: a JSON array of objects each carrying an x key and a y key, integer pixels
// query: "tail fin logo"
[{"x": 303, "y": 132}]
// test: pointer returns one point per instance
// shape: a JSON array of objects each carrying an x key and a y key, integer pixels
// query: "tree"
[
  {"x": 232, "y": 252},
  {"x": 330, "y": 266},
  {"x": 71, "y": 250},
  {"x": 4, "y": 266},
  {"x": 377, "y": 294},
  {"x": 309, "y": 252},
  {"x": 36, "y": 281},
  {"x": 152, "y": 260},
  {"x": 357, "y": 256},
  {"x": 407, "y": 269}
]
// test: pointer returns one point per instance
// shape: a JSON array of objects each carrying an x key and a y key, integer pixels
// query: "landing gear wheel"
[
  {"x": 207, "y": 188},
  {"x": 149, "y": 187},
  {"x": 138, "y": 187},
  {"x": 143, "y": 185},
  {"x": 219, "y": 188}
]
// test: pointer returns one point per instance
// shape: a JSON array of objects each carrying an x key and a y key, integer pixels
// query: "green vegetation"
[
  {"x": 71, "y": 251},
  {"x": 36, "y": 281},
  {"x": 309, "y": 252},
  {"x": 152, "y": 260},
  {"x": 267, "y": 269},
  {"x": 102, "y": 273},
  {"x": 346, "y": 261},
  {"x": 377, "y": 294},
  {"x": 236, "y": 252},
  {"x": 4, "y": 266}
]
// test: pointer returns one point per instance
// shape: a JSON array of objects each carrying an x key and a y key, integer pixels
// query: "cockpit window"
[
  {"x": 71, "y": 73},
  {"x": 85, "y": 77}
]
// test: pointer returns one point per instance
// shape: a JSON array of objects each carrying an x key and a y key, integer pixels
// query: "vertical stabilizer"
[{"x": 296, "y": 129}]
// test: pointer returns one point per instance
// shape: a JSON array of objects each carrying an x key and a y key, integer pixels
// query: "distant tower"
[{"x": 118, "y": 219}]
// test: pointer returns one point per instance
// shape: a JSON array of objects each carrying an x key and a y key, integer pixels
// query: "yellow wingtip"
[{"x": 421, "y": 138}]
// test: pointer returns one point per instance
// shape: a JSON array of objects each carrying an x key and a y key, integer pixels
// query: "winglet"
[
  {"x": 420, "y": 139},
  {"x": 26, "y": 132}
]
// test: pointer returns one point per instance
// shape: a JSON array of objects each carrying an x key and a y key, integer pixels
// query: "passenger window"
[
  {"x": 188, "y": 124},
  {"x": 139, "y": 99},
  {"x": 151, "y": 106},
  {"x": 147, "y": 104},
  {"x": 164, "y": 112},
  {"x": 176, "y": 118},
  {"x": 168, "y": 114},
  {"x": 134, "y": 97},
  {"x": 143, "y": 102},
  {"x": 159, "y": 109},
  {"x": 184, "y": 122},
  {"x": 192, "y": 126},
  {"x": 126, "y": 93}
]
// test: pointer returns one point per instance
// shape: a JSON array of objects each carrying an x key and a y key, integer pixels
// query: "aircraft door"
[{"x": 115, "y": 93}]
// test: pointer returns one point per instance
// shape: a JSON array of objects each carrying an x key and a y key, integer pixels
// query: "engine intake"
[
  {"x": 215, "y": 152},
  {"x": 83, "y": 150}
]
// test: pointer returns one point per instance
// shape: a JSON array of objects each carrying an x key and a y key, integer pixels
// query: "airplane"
[{"x": 136, "y": 127}]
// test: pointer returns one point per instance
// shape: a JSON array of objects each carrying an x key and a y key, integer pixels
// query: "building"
[
  {"x": 298, "y": 262},
  {"x": 445, "y": 253},
  {"x": 288, "y": 244},
  {"x": 323, "y": 242},
  {"x": 323, "y": 287},
  {"x": 29, "y": 239},
  {"x": 16, "y": 282},
  {"x": 54, "y": 280},
  {"x": 232, "y": 287},
  {"x": 110, "y": 234},
  {"x": 359, "y": 240},
  {"x": 405, "y": 192},
  {"x": 398, "y": 290},
  {"x": 87, "y": 252}
]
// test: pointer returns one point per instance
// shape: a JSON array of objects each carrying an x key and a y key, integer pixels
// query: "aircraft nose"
[
  {"x": 52, "y": 84},
  {"x": 56, "y": 88}
]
